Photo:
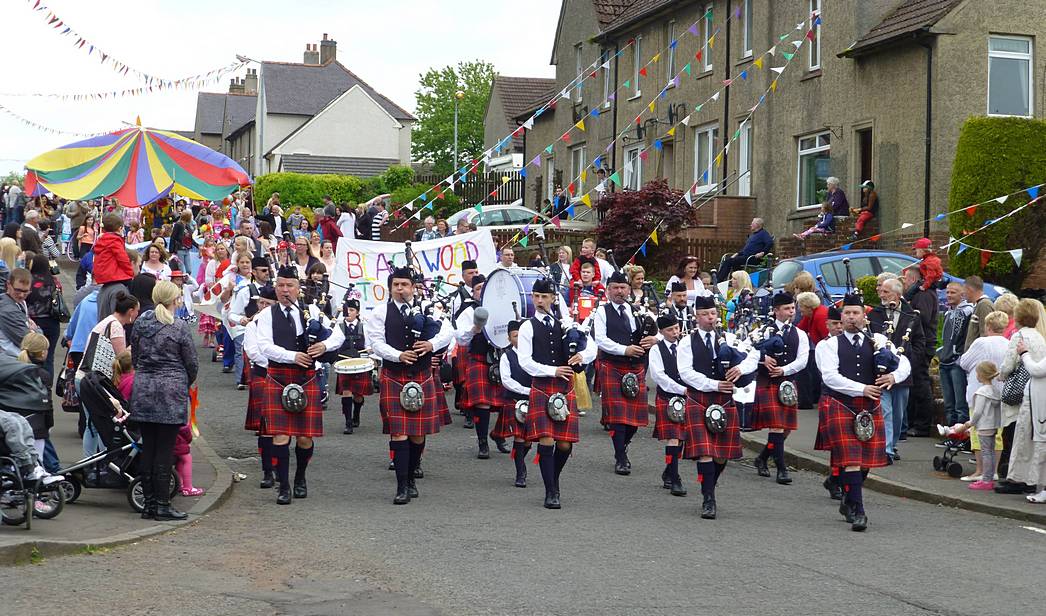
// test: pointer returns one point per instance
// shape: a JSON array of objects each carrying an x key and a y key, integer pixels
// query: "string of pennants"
[
  {"x": 590, "y": 72},
  {"x": 58, "y": 24},
  {"x": 48, "y": 129}
]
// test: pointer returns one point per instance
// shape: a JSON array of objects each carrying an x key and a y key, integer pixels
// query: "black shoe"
[
  {"x": 834, "y": 491},
  {"x": 267, "y": 480},
  {"x": 469, "y": 424},
  {"x": 412, "y": 489},
  {"x": 708, "y": 511},
  {"x": 918, "y": 433},
  {"x": 846, "y": 512},
  {"x": 402, "y": 495},
  {"x": 355, "y": 419},
  {"x": 606, "y": 427},
  {"x": 392, "y": 465},
  {"x": 283, "y": 497},
  {"x": 484, "y": 450},
  {"x": 502, "y": 445},
  {"x": 241, "y": 386},
  {"x": 149, "y": 511},
  {"x": 348, "y": 426},
  {"x": 783, "y": 477},
  {"x": 418, "y": 473},
  {"x": 889, "y": 460},
  {"x": 166, "y": 513},
  {"x": 621, "y": 469},
  {"x": 677, "y": 487},
  {"x": 324, "y": 397},
  {"x": 896, "y": 457},
  {"x": 902, "y": 437},
  {"x": 552, "y": 500},
  {"x": 761, "y": 467},
  {"x": 1009, "y": 487},
  {"x": 628, "y": 463},
  {"x": 666, "y": 480},
  {"x": 860, "y": 522},
  {"x": 226, "y": 369},
  {"x": 521, "y": 479},
  {"x": 301, "y": 490}
]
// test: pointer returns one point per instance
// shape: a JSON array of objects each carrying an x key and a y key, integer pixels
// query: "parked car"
[
  {"x": 830, "y": 266},
  {"x": 514, "y": 217}
]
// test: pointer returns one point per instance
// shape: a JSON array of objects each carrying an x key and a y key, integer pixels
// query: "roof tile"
[
  {"x": 305, "y": 89},
  {"x": 340, "y": 165},
  {"x": 908, "y": 18}
]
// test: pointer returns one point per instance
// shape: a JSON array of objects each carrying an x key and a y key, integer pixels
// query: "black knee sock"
[
  {"x": 776, "y": 445},
  {"x": 852, "y": 483},
  {"x": 416, "y": 449},
  {"x": 561, "y": 457},
  {"x": 302, "y": 456},
  {"x": 673, "y": 465},
  {"x": 719, "y": 468},
  {"x": 630, "y": 431},
  {"x": 519, "y": 457},
  {"x": 481, "y": 417},
  {"x": 765, "y": 453},
  {"x": 547, "y": 461},
  {"x": 265, "y": 452},
  {"x": 401, "y": 460},
  {"x": 706, "y": 475},
  {"x": 281, "y": 455},
  {"x": 357, "y": 406},
  {"x": 346, "y": 407},
  {"x": 617, "y": 437}
]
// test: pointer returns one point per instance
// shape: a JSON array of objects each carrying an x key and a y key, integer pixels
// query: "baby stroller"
[
  {"x": 946, "y": 462},
  {"x": 21, "y": 501},
  {"x": 106, "y": 410}
]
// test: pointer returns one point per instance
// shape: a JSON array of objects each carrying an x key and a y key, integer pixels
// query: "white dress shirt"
[
  {"x": 275, "y": 353},
  {"x": 656, "y": 368},
  {"x": 698, "y": 380},
  {"x": 511, "y": 384},
  {"x": 599, "y": 328},
  {"x": 827, "y": 357},
  {"x": 525, "y": 348},
  {"x": 241, "y": 296},
  {"x": 802, "y": 355},
  {"x": 374, "y": 331},
  {"x": 463, "y": 334},
  {"x": 250, "y": 344}
]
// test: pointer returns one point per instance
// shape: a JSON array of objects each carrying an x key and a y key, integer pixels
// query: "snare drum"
[
  {"x": 503, "y": 288},
  {"x": 353, "y": 365}
]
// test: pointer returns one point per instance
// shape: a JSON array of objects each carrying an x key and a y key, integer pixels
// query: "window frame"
[
  {"x": 551, "y": 172},
  {"x": 670, "y": 64},
  {"x": 637, "y": 50},
  {"x": 607, "y": 75},
  {"x": 636, "y": 172},
  {"x": 578, "y": 66},
  {"x": 576, "y": 168},
  {"x": 814, "y": 45},
  {"x": 745, "y": 152},
  {"x": 707, "y": 23},
  {"x": 746, "y": 29},
  {"x": 1028, "y": 57},
  {"x": 800, "y": 152},
  {"x": 712, "y": 130}
]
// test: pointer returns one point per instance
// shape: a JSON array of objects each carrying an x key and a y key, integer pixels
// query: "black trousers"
[
  {"x": 157, "y": 459},
  {"x": 731, "y": 264},
  {"x": 920, "y": 402}
]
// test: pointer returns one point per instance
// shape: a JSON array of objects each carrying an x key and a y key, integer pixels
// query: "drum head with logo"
[
  {"x": 293, "y": 398},
  {"x": 522, "y": 408},
  {"x": 715, "y": 418},
  {"x": 864, "y": 426},
  {"x": 501, "y": 289},
  {"x": 676, "y": 409},
  {"x": 412, "y": 397},
  {"x": 558, "y": 407}
]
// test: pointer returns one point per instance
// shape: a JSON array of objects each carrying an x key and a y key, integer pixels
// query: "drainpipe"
[
  {"x": 523, "y": 191},
  {"x": 725, "y": 131},
  {"x": 927, "y": 43}
]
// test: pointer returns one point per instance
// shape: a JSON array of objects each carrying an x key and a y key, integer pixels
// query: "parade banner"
[{"x": 365, "y": 266}]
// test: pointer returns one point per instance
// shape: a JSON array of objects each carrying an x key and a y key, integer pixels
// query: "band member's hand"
[
  {"x": 244, "y": 321},
  {"x": 886, "y": 381},
  {"x": 408, "y": 357},
  {"x": 769, "y": 362},
  {"x": 726, "y": 387},
  {"x": 436, "y": 361},
  {"x": 317, "y": 349},
  {"x": 565, "y": 372},
  {"x": 733, "y": 374},
  {"x": 634, "y": 350},
  {"x": 872, "y": 391},
  {"x": 575, "y": 360},
  {"x": 648, "y": 342},
  {"x": 303, "y": 360},
  {"x": 422, "y": 346},
  {"x": 476, "y": 330},
  {"x": 775, "y": 371}
]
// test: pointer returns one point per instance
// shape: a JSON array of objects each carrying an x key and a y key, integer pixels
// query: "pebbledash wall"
[{"x": 823, "y": 100}]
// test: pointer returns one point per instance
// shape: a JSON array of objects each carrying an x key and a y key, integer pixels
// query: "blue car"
[{"x": 862, "y": 263}]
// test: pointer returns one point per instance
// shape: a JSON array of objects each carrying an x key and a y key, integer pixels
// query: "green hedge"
[
  {"x": 308, "y": 190},
  {"x": 995, "y": 157},
  {"x": 867, "y": 284}
]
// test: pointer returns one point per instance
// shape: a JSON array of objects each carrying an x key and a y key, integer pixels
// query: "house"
[
  {"x": 316, "y": 116},
  {"x": 878, "y": 91},
  {"x": 509, "y": 97}
]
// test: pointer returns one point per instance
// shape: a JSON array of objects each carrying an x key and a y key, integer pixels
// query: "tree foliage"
[
  {"x": 13, "y": 177},
  {"x": 433, "y": 137},
  {"x": 630, "y": 216},
  {"x": 308, "y": 190},
  {"x": 995, "y": 157}
]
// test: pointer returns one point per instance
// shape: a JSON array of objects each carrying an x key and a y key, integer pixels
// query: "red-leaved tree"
[{"x": 630, "y": 216}]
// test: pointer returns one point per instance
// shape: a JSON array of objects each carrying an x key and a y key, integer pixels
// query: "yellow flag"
[
  {"x": 758, "y": 62},
  {"x": 586, "y": 200},
  {"x": 657, "y": 57},
  {"x": 584, "y": 175},
  {"x": 581, "y": 125},
  {"x": 672, "y": 132},
  {"x": 504, "y": 179},
  {"x": 711, "y": 41},
  {"x": 773, "y": 86},
  {"x": 653, "y": 237},
  {"x": 719, "y": 159},
  {"x": 651, "y": 106}
]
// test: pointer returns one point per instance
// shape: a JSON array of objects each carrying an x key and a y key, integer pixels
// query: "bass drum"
[{"x": 502, "y": 289}]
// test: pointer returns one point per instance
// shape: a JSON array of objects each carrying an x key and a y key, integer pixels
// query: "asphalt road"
[{"x": 474, "y": 544}]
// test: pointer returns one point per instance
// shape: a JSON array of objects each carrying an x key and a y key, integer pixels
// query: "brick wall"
[{"x": 901, "y": 241}]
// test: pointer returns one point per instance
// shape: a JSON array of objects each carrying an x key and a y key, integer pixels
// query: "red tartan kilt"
[
  {"x": 768, "y": 412},
  {"x": 699, "y": 441},
  {"x": 835, "y": 433},
  {"x": 664, "y": 428},
  {"x": 254, "y": 396},
  {"x": 506, "y": 426},
  {"x": 245, "y": 374},
  {"x": 358, "y": 384},
  {"x": 278, "y": 421},
  {"x": 617, "y": 409},
  {"x": 539, "y": 424},
  {"x": 479, "y": 389},
  {"x": 458, "y": 363},
  {"x": 394, "y": 420},
  {"x": 441, "y": 399}
]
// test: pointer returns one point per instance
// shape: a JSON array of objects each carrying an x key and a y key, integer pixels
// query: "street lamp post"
[{"x": 457, "y": 98}]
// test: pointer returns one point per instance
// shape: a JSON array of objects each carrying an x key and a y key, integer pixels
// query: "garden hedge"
[{"x": 308, "y": 190}]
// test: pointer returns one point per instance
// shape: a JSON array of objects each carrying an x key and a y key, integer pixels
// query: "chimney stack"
[
  {"x": 328, "y": 49},
  {"x": 312, "y": 56},
  {"x": 250, "y": 83},
  {"x": 235, "y": 86}
]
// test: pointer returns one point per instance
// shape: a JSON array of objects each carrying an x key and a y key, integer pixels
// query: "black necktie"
[
  {"x": 621, "y": 310},
  {"x": 287, "y": 311},
  {"x": 404, "y": 310},
  {"x": 548, "y": 321},
  {"x": 857, "y": 341},
  {"x": 673, "y": 349},
  {"x": 784, "y": 330},
  {"x": 708, "y": 343}
]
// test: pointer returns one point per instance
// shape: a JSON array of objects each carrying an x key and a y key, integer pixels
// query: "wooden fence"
[{"x": 477, "y": 188}]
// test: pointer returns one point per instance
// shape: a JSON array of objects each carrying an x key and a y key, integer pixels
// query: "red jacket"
[
  {"x": 575, "y": 270},
  {"x": 330, "y": 231},
  {"x": 111, "y": 263},
  {"x": 815, "y": 325},
  {"x": 929, "y": 268}
]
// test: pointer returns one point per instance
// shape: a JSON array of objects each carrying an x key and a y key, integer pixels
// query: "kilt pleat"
[
  {"x": 539, "y": 424},
  {"x": 768, "y": 412},
  {"x": 358, "y": 384},
  {"x": 835, "y": 432},
  {"x": 700, "y": 441},
  {"x": 616, "y": 408},
  {"x": 395, "y": 420},
  {"x": 277, "y": 420},
  {"x": 664, "y": 428},
  {"x": 441, "y": 398}
]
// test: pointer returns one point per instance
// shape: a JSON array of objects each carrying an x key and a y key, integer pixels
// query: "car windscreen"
[{"x": 785, "y": 272}]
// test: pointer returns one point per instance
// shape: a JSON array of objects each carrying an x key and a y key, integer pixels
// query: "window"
[
  {"x": 705, "y": 150},
  {"x": 895, "y": 265},
  {"x": 1009, "y": 76},
  {"x": 746, "y": 29},
  {"x": 637, "y": 63},
  {"x": 834, "y": 272},
  {"x": 577, "y": 72},
  {"x": 605, "y": 60},
  {"x": 814, "y": 162},
  {"x": 490, "y": 218},
  {"x": 706, "y": 49},
  {"x": 633, "y": 168},
  {"x": 670, "y": 63},
  {"x": 518, "y": 216},
  {"x": 577, "y": 165},
  {"x": 785, "y": 272},
  {"x": 550, "y": 186},
  {"x": 814, "y": 46},
  {"x": 744, "y": 160}
]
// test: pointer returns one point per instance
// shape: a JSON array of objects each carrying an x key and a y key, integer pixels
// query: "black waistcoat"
[
  {"x": 252, "y": 301},
  {"x": 703, "y": 360},
  {"x": 518, "y": 373},
  {"x": 856, "y": 364},
  {"x": 396, "y": 328},
  {"x": 547, "y": 344},
  {"x": 618, "y": 327},
  {"x": 669, "y": 362},
  {"x": 354, "y": 338},
  {"x": 284, "y": 332}
]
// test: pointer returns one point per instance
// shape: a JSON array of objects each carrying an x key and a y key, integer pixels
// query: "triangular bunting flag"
[
  {"x": 580, "y": 125},
  {"x": 939, "y": 217},
  {"x": 758, "y": 62},
  {"x": 601, "y": 187},
  {"x": 642, "y": 71},
  {"x": 672, "y": 132},
  {"x": 800, "y": 25},
  {"x": 777, "y": 69},
  {"x": 548, "y": 150},
  {"x": 657, "y": 144},
  {"x": 962, "y": 247},
  {"x": 727, "y": 82},
  {"x": 524, "y": 241},
  {"x": 529, "y": 124},
  {"x": 788, "y": 56},
  {"x": 643, "y": 155},
  {"x": 656, "y": 57},
  {"x": 906, "y": 225},
  {"x": 744, "y": 75},
  {"x": 1017, "y": 255},
  {"x": 719, "y": 159},
  {"x": 584, "y": 175},
  {"x": 711, "y": 41},
  {"x": 1002, "y": 199},
  {"x": 595, "y": 112},
  {"x": 686, "y": 68},
  {"x": 693, "y": 29},
  {"x": 536, "y": 162},
  {"x": 985, "y": 257},
  {"x": 688, "y": 198},
  {"x": 715, "y": 97},
  {"x": 570, "y": 211},
  {"x": 566, "y": 137},
  {"x": 588, "y": 200},
  {"x": 798, "y": 43},
  {"x": 526, "y": 229},
  {"x": 686, "y": 121},
  {"x": 627, "y": 84},
  {"x": 651, "y": 106},
  {"x": 523, "y": 172},
  {"x": 970, "y": 211},
  {"x": 555, "y": 220},
  {"x": 479, "y": 208},
  {"x": 1033, "y": 192},
  {"x": 615, "y": 177},
  {"x": 653, "y": 237},
  {"x": 642, "y": 248},
  {"x": 571, "y": 188},
  {"x": 773, "y": 86},
  {"x": 772, "y": 51}
]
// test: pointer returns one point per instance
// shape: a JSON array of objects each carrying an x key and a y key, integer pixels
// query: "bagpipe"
[{"x": 887, "y": 356}]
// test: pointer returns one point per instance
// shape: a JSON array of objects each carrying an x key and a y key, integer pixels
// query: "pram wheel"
[
  {"x": 136, "y": 498},
  {"x": 71, "y": 488},
  {"x": 955, "y": 470},
  {"x": 14, "y": 503},
  {"x": 938, "y": 464},
  {"x": 49, "y": 502}
]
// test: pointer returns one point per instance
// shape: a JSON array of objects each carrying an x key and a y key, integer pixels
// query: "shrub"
[
  {"x": 995, "y": 157},
  {"x": 630, "y": 216},
  {"x": 866, "y": 285},
  {"x": 308, "y": 190}
]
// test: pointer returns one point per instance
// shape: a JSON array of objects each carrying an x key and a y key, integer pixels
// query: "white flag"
[
  {"x": 689, "y": 198},
  {"x": 715, "y": 97},
  {"x": 777, "y": 69},
  {"x": 1002, "y": 200},
  {"x": 686, "y": 121},
  {"x": 1017, "y": 254},
  {"x": 529, "y": 124}
]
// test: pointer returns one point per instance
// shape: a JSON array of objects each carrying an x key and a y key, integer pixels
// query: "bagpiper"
[
  {"x": 481, "y": 393},
  {"x": 671, "y": 390}
]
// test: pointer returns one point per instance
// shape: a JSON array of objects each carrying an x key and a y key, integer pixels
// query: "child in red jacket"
[
  {"x": 930, "y": 269},
  {"x": 111, "y": 263}
]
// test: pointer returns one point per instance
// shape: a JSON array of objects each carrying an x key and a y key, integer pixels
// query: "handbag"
[
  {"x": 1013, "y": 388},
  {"x": 59, "y": 309},
  {"x": 99, "y": 355}
]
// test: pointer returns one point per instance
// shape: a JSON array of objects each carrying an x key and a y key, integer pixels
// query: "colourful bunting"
[
  {"x": 642, "y": 248},
  {"x": 1033, "y": 192},
  {"x": 758, "y": 62},
  {"x": 555, "y": 221},
  {"x": 580, "y": 125},
  {"x": 642, "y": 71},
  {"x": 479, "y": 208},
  {"x": 586, "y": 200},
  {"x": 615, "y": 177},
  {"x": 653, "y": 237},
  {"x": 686, "y": 68}
]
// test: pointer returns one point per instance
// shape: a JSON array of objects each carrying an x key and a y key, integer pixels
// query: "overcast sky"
[{"x": 388, "y": 44}]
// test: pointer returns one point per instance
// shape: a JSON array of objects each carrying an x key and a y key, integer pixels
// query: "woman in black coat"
[
  {"x": 165, "y": 364},
  {"x": 41, "y": 289}
]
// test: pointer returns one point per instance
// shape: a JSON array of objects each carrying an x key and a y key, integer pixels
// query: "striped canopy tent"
[
  {"x": 32, "y": 185},
  {"x": 137, "y": 166}
]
